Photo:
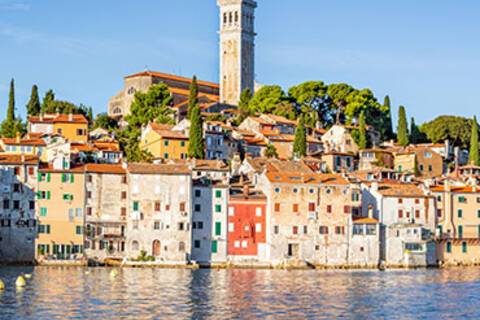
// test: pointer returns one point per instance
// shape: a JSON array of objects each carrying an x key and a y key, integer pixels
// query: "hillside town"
[{"x": 186, "y": 172}]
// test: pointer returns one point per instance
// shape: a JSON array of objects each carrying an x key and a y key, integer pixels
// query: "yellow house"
[
  {"x": 164, "y": 143},
  {"x": 29, "y": 146},
  {"x": 458, "y": 224},
  {"x": 60, "y": 206},
  {"x": 73, "y": 127}
]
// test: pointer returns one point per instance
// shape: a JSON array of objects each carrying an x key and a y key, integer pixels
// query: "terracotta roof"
[
  {"x": 275, "y": 165},
  {"x": 74, "y": 169},
  {"x": 149, "y": 168},
  {"x": 104, "y": 168},
  {"x": 246, "y": 133},
  {"x": 289, "y": 138},
  {"x": 59, "y": 118},
  {"x": 186, "y": 93},
  {"x": 255, "y": 141},
  {"x": 165, "y": 131},
  {"x": 17, "y": 159},
  {"x": 455, "y": 189},
  {"x": 314, "y": 178},
  {"x": 24, "y": 142},
  {"x": 172, "y": 77},
  {"x": 107, "y": 146},
  {"x": 261, "y": 121},
  {"x": 400, "y": 190},
  {"x": 81, "y": 147},
  {"x": 337, "y": 153},
  {"x": 365, "y": 221},
  {"x": 258, "y": 164},
  {"x": 200, "y": 164},
  {"x": 279, "y": 119}
]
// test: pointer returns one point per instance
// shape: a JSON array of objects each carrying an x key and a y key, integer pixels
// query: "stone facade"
[
  {"x": 159, "y": 212},
  {"x": 18, "y": 175},
  {"x": 237, "y": 48},
  {"x": 106, "y": 211}
]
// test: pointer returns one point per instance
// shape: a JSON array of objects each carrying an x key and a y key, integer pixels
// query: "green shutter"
[
  {"x": 39, "y": 177},
  {"x": 464, "y": 247},
  {"x": 72, "y": 177},
  {"x": 135, "y": 206},
  {"x": 449, "y": 247},
  {"x": 48, "y": 177},
  {"x": 214, "y": 246},
  {"x": 64, "y": 177},
  {"x": 218, "y": 194},
  {"x": 218, "y": 208},
  {"x": 48, "y": 229},
  {"x": 48, "y": 195},
  {"x": 218, "y": 228}
]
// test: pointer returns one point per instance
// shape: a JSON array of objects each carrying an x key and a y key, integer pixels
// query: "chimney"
[
  {"x": 70, "y": 117},
  {"x": 17, "y": 137},
  {"x": 41, "y": 116},
  {"x": 23, "y": 158},
  {"x": 370, "y": 211}
]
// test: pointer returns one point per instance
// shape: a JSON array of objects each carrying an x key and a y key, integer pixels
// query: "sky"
[{"x": 424, "y": 54}]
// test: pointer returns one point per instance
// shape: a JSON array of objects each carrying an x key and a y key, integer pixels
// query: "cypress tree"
[
  {"x": 414, "y": 132},
  {"x": 33, "y": 106},
  {"x": 362, "y": 130},
  {"x": 193, "y": 98},
  {"x": 474, "y": 157},
  {"x": 300, "y": 142},
  {"x": 195, "y": 141},
  {"x": 389, "y": 127},
  {"x": 47, "y": 99},
  {"x": 11, "y": 102},
  {"x": 402, "y": 128},
  {"x": 245, "y": 98}
]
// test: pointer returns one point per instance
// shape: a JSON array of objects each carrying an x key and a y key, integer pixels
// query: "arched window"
[
  {"x": 135, "y": 245},
  {"x": 230, "y": 18},
  {"x": 117, "y": 110},
  {"x": 236, "y": 16},
  {"x": 225, "y": 19}
]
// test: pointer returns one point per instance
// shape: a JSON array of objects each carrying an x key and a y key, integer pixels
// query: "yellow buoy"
[
  {"x": 2, "y": 285},
  {"x": 113, "y": 273},
  {"x": 20, "y": 282}
]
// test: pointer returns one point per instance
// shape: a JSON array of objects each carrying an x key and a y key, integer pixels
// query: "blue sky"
[{"x": 424, "y": 54}]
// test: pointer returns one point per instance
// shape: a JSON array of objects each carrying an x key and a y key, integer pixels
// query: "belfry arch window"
[
  {"x": 230, "y": 18},
  {"x": 236, "y": 16},
  {"x": 117, "y": 111},
  {"x": 225, "y": 18}
]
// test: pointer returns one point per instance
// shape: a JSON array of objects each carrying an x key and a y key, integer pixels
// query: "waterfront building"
[
  {"x": 73, "y": 127},
  {"x": 159, "y": 212},
  {"x": 407, "y": 217},
  {"x": 18, "y": 175},
  {"x": 247, "y": 225},
  {"x": 209, "y": 221},
  {"x": 458, "y": 226},
  {"x": 60, "y": 212},
  {"x": 105, "y": 211}
]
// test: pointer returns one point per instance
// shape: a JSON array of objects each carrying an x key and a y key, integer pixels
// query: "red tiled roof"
[
  {"x": 365, "y": 221},
  {"x": 313, "y": 178},
  {"x": 172, "y": 77},
  {"x": 105, "y": 168},
  {"x": 24, "y": 142},
  {"x": 395, "y": 189},
  {"x": 60, "y": 118},
  {"x": 148, "y": 168},
  {"x": 18, "y": 159}
]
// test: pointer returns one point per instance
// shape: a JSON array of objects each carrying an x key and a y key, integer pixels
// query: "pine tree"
[
  {"x": 33, "y": 106},
  {"x": 474, "y": 157},
  {"x": 196, "y": 143},
  {"x": 193, "y": 98},
  {"x": 362, "y": 131},
  {"x": 389, "y": 129},
  {"x": 47, "y": 99},
  {"x": 300, "y": 142},
  {"x": 415, "y": 135},
  {"x": 402, "y": 128}
]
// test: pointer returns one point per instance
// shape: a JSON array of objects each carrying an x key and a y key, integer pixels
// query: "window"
[
  {"x": 196, "y": 244},
  {"x": 43, "y": 212},
  {"x": 464, "y": 247},
  {"x": 218, "y": 228},
  {"x": 44, "y": 228},
  {"x": 460, "y": 213},
  {"x": 449, "y": 247},
  {"x": 439, "y": 213},
  {"x": 355, "y": 196},
  {"x": 156, "y": 225},
  {"x": 295, "y": 190},
  {"x": 89, "y": 195},
  {"x": 417, "y": 201},
  {"x": 295, "y": 207},
  {"x": 16, "y": 204},
  {"x": 218, "y": 193},
  {"x": 6, "y": 204},
  {"x": 460, "y": 232},
  {"x": 181, "y": 226},
  {"x": 421, "y": 168},
  {"x": 258, "y": 212},
  {"x": 167, "y": 207},
  {"x": 157, "y": 206},
  {"x": 276, "y": 229},
  {"x": 339, "y": 230},
  {"x": 68, "y": 196},
  {"x": 430, "y": 168},
  {"x": 462, "y": 199},
  {"x": 198, "y": 193},
  {"x": 182, "y": 143},
  {"x": 197, "y": 208},
  {"x": 400, "y": 214},
  {"x": 277, "y": 207},
  {"x": 231, "y": 211},
  {"x": 136, "y": 206},
  {"x": 400, "y": 200},
  {"x": 417, "y": 214},
  {"x": 218, "y": 208},
  {"x": 182, "y": 207},
  {"x": 311, "y": 206},
  {"x": 346, "y": 209},
  {"x": 214, "y": 246},
  {"x": 305, "y": 229},
  {"x": 124, "y": 195},
  {"x": 295, "y": 230},
  {"x": 277, "y": 190},
  {"x": 323, "y": 230},
  {"x": 231, "y": 227},
  {"x": 258, "y": 227},
  {"x": 414, "y": 247},
  {"x": 31, "y": 171},
  {"x": 32, "y": 205},
  {"x": 123, "y": 212},
  {"x": 16, "y": 187},
  {"x": 357, "y": 229},
  {"x": 439, "y": 198},
  {"x": 329, "y": 209},
  {"x": 79, "y": 230}
]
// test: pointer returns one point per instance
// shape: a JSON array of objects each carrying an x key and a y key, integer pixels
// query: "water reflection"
[{"x": 58, "y": 293}]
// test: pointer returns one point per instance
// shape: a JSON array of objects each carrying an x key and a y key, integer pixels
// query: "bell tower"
[{"x": 237, "y": 48}]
